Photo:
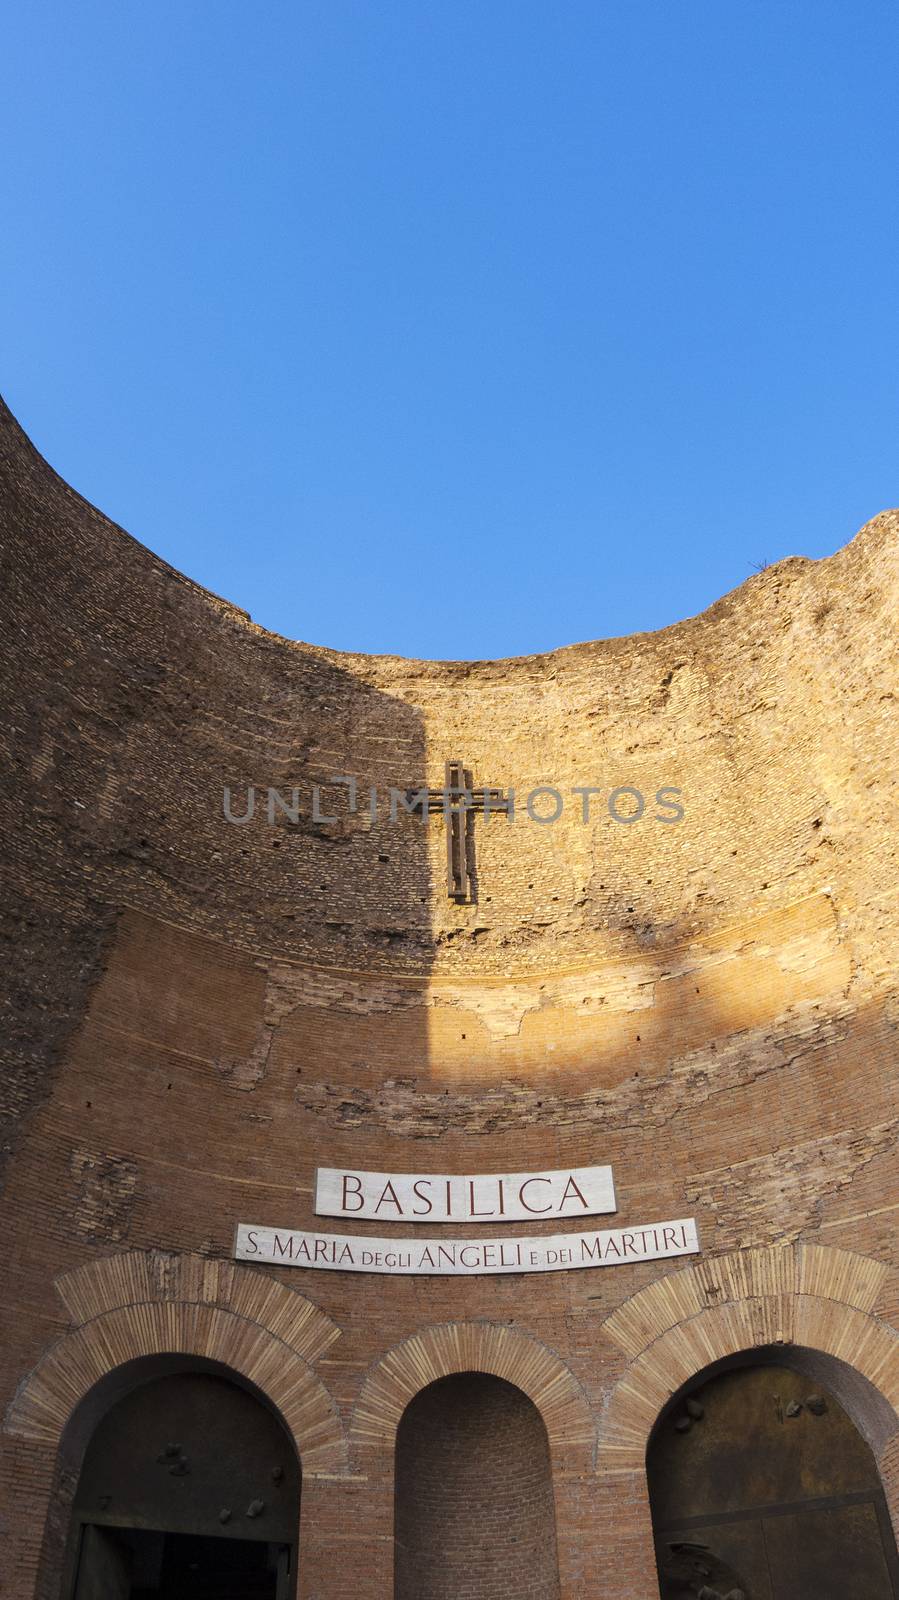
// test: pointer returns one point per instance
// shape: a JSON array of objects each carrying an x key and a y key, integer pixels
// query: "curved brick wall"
[
  {"x": 199, "y": 1013},
  {"x": 474, "y": 1505}
]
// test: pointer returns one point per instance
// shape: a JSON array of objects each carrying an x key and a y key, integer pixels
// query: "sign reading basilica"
[{"x": 484, "y": 1197}]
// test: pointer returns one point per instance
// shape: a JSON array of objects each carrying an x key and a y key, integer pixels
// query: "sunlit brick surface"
[{"x": 199, "y": 1013}]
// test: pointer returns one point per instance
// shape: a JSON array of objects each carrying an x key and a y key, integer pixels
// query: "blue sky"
[{"x": 458, "y": 329}]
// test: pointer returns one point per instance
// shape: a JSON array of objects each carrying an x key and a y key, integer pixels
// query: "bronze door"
[{"x": 762, "y": 1486}]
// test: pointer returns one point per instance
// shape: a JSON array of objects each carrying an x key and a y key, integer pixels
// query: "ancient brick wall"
[
  {"x": 197, "y": 1013},
  {"x": 474, "y": 1506}
]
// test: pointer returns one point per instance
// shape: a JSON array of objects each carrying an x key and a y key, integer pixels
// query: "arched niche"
[
  {"x": 186, "y": 1483},
  {"x": 763, "y": 1483},
  {"x": 474, "y": 1511}
]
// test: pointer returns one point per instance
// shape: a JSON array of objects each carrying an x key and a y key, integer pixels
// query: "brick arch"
[
  {"x": 454, "y": 1347},
  {"x": 128, "y": 1307},
  {"x": 823, "y": 1302}
]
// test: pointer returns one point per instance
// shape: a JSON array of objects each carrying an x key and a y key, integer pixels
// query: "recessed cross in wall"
[{"x": 459, "y": 802}]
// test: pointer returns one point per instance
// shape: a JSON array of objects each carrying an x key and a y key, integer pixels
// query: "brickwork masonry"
[{"x": 196, "y": 1014}]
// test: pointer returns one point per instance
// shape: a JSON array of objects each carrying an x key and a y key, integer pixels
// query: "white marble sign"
[
  {"x": 286, "y": 1247},
  {"x": 484, "y": 1197}
]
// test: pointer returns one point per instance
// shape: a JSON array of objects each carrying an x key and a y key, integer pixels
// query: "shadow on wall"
[{"x": 133, "y": 700}]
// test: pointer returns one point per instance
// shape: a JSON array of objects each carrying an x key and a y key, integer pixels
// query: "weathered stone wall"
[{"x": 199, "y": 1013}]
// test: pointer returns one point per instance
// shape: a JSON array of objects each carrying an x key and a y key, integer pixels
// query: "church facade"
[{"x": 449, "y": 1109}]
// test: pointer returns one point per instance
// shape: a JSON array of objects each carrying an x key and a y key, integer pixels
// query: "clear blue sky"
[{"x": 462, "y": 328}]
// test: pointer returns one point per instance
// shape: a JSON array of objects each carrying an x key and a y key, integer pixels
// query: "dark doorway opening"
[
  {"x": 762, "y": 1488},
  {"x": 140, "y": 1564},
  {"x": 189, "y": 1489}
]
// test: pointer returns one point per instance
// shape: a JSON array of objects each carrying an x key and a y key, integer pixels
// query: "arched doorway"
[
  {"x": 762, "y": 1487},
  {"x": 189, "y": 1489},
  {"x": 474, "y": 1500}
]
